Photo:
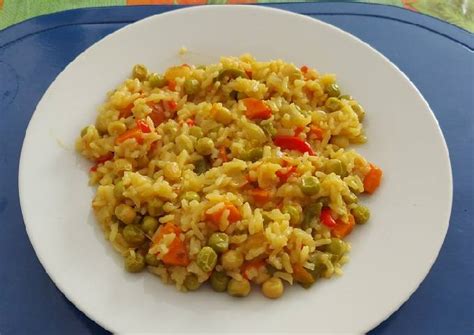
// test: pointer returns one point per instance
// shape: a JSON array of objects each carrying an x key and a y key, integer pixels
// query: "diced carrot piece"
[
  {"x": 301, "y": 275},
  {"x": 177, "y": 254},
  {"x": 127, "y": 111},
  {"x": 284, "y": 175},
  {"x": 253, "y": 264},
  {"x": 298, "y": 131},
  {"x": 234, "y": 214},
  {"x": 168, "y": 228},
  {"x": 372, "y": 179},
  {"x": 223, "y": 154},
  {"x": 135, "y": 133},
  {"x": 172, "y": 85},
  {"x": 259, "y": 195},
  {"x": 257, "y": 109},
  {"x": 143, "y": 126},
  {"x": 304, "y": 69},
  {"x": 316, "y": 132},
  {"x": 342, "y": 229},
  {"x": 170, "y": 105},
  {"x": 107, "y": 157},
  {"x": 190, "y": 122}
]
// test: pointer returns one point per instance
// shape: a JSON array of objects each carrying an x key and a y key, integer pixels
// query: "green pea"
[
  {"x": 84, "y": 131},
  {"x": 310, "y": 213},
  {"x": 191, "y": 282},
  {"x": 204, "y": 146},
  {"x": 190, "y": 196},
  {"x": 149, "y": 225},
  {"x": 219, "y": 242},
  {"x": 335, "y": 166},
  {"x": 231, "y": 74},
  {"x": 133, "y": 235},
  {"x": 255, "y": 154},
  {"x": 157, "y": 81},
  {"x": 333, "y": 104},
  {"x": 118, "y": 190},
  {"x": 319, "y": 269},
  {"x": 219, "y": 281},
  {"x": 134, "y": 264},
  {"x": 269, "y": 129},
  {"x": 361, "y": 214},
  {"x": 336, "y": 247},
  {"x": 310, "y": 185},
  {"x": 196, "y": 132},
  {"x": 295, "y": 215},
  {"x": 346, "y": 97},
  {"x": 333, "y": 90},
  {"x": 191, "y": 86},
  {"x": 152, "y": 260},
  {"x": 207, "y": 259},
  {"x": 139, "y": 72},
  {"x": 359, "y": 111},
  {"x": 238, "y": 288},
  {"x": 201, "y": 166}
]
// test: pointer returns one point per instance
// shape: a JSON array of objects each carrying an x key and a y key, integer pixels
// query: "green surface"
[{"x": 458, "y": 12}]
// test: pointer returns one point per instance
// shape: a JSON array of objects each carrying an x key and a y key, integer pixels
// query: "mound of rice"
[{"x": 232, "y": 173}]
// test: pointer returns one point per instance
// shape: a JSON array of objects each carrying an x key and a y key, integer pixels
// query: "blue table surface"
[{"x": 436, "y": 56}]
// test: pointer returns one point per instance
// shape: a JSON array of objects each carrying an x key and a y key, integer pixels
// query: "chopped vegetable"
[
  {"x": 206, "y": 259},
  {"x": 223, "y": 154},
  {"x": 259, "y": 195},
  {"x": 293, "y": 143},
  {"x": 135, "y": 133},
  {"x": 301, "y": 275},
  {"x": 172, "y": 85},
  {"x": 234, "y": 214},
  {"x": 361, "y": 214},
  {"x": 143, "y": 126},
  {"x": 316, "y": 132},
  {"x": 285, "y": 173},
  {"x": 333, "y": 90},
  {"x": 133, "y": 235},
  {"x": 304, "y": 69},
  {"x": 372, "y": 179},
  {"x": 191, "y": 282},
  {"x": 310, "y": 185},
  {"x": 326, "y": 218},
  {"x": 255, "y": 264},
  {"x": 219, "y": 281},
  {"x": 238, "y": 288},
  {"x": 140, "y": 72},
  {"x": 126, "y": 112},
  {"x": 107, "y": 157},
  {"x": 273, "y": 288},
  {"x": 342, "y": 229},
  {"x": 157, "y": 81},
  {"x": 134, "y": 263},
  {"x": 311, "y": 212},
  {"x": 191, "y": 86},
  {"x": 219, "y": 242},
  {"x": 257, "y": 109},
  {"x": 177, "y": 253}
]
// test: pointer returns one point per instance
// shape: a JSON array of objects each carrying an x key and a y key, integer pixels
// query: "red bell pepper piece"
[
  {"x": 143, "y": 126},
  {"x": 293, "y": 143},
  {"x": 326, "y": 218}
]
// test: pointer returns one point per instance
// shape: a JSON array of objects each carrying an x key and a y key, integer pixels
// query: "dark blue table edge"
[{"x": 125, "y": 14}]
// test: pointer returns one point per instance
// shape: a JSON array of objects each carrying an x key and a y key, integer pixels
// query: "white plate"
[{"x": 391, "y": 255}]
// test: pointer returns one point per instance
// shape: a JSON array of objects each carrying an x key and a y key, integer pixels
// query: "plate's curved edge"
[
  {"x": 127, "y": 14},
  {"x": 304, "y": 17}
]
